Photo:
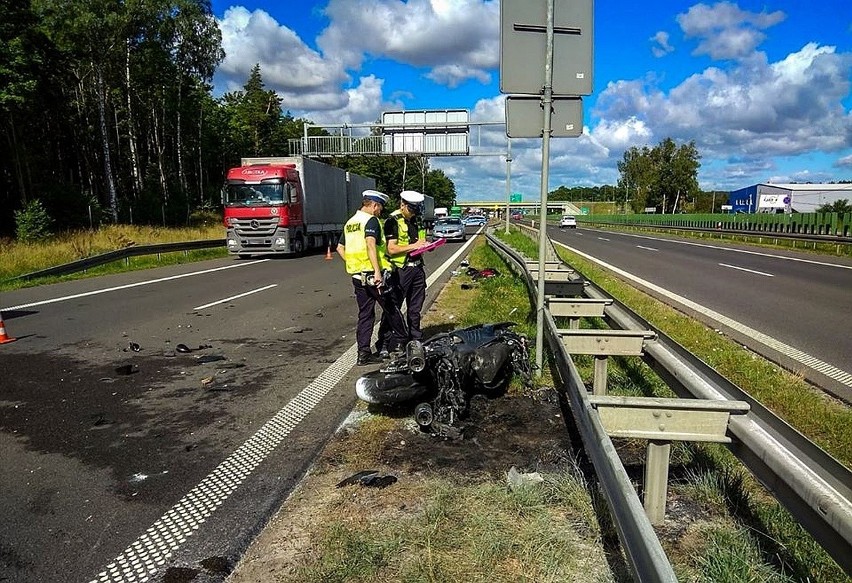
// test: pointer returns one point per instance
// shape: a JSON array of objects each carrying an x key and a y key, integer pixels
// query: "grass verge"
[
  {"x": 22, "y": 258},
  {"x": 742, "y": 530},
  {"x": 447, "y": 525}
]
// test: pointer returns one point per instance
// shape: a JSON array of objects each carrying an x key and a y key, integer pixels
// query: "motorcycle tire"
[{"x": 381, "y": 388}]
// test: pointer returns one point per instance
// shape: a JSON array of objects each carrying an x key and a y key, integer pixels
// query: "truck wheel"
[{"x": 298, "y": 245}]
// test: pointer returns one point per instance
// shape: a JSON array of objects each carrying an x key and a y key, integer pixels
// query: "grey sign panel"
[
  {"x": 525, "y": 118},
  {"x": 433, "y": 132},
  {"x": 523, "y": 46}
]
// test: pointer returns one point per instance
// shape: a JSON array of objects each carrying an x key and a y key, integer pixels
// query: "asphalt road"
[
  {"x": 800, "y": 299},
  {"x": 102, "y": 443}
]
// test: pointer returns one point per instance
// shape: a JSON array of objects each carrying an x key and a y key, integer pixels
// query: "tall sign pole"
[
  {"x": 546, "y": 102},
  {"x": 508, "y": 180},
  {"x": 533, "y": 35}
]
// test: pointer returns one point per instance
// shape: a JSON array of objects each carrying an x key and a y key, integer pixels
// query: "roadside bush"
[
  {"x": 32, "y": 223},
  {"x": 205, "y": 217}
]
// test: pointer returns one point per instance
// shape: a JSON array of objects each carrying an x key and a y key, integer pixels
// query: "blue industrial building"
[{"x": 780, "y": 198}]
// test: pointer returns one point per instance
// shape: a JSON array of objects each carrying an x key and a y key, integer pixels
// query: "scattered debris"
[
  {"x": 377, "y": 481},
  {"x": 369, "y": 478},
  {"x": 356, "y": 478},
  {"x": 101, "y": 421},
  {"x": 126, "y": 369},
  {"x": 485, "y": 273},
  {"x": 210, "y": 358},
  {"x": 517, "y": 480},
  {"x": 183, "y": 349},
  {"x": 133, "y": 346}
]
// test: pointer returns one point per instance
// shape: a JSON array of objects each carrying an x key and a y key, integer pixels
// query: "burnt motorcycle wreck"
[{"x": 442, "y": 374}]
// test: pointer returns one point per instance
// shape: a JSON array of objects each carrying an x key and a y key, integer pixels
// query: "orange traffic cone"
[
  {"x": 4, "y": 338},
  {"x": 328, "y": 253}
]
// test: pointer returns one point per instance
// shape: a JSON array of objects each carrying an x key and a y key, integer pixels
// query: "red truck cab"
[{"x": 263, "y": 209}]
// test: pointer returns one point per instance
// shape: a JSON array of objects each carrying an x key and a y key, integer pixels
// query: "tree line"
[{"x": 108, "y": 115}]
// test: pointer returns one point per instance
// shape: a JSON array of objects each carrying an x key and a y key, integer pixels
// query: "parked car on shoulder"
[
  {"x": 569, "y": 221},
  {"x": 449, "y": 228},
  {"x": 474, "y": 220}
]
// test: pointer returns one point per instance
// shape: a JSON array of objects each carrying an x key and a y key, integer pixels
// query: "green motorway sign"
[{"x": 516, "y": 197}]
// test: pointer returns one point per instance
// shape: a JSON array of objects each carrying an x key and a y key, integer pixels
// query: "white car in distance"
[{"x": 569, "y": 221}]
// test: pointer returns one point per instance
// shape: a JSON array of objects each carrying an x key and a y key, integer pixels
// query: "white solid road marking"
[
  {"x": 149, "y": 553},
  {"x": 748, "y": 270},
  {"x": 242, "y": 295},
  {"x": 603, "y": 238},
  {"x": 130, "y": 285},
  {"x": 647, "y": 248},
  {"x": 828, "y": 370}
]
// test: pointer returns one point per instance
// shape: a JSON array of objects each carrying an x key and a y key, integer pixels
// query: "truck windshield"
[{"x": 253, "y": 194}]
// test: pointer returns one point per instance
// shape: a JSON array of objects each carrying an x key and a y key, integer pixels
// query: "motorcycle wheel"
[{"x": 381, "y": 388}]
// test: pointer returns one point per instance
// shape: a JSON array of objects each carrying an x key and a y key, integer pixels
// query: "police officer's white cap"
[
  {"x": 375, "y": 196},
  {"x": 411, "y": 197}
]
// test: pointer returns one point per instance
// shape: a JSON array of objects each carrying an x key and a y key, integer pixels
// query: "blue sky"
[{"x": 763, "y": 88}]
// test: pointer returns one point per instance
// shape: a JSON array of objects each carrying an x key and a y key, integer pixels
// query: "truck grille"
[{"x": 255, "y": 227}]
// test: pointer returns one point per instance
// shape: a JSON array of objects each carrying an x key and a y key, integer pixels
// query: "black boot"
[{"x": 365, "y": 357}]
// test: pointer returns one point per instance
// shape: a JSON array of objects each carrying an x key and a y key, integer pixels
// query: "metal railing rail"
[
  {"x": 812, "y": 485},
  {"x": 110, "y": 256},
  {"x": 750, "y": 233},
  {"x": 637, "y": 536}
]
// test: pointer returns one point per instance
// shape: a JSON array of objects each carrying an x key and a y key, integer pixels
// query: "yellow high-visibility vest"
[{"x": 355, "y": 243}]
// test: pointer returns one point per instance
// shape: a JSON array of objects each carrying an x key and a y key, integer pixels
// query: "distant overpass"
[{"x": 553, "y": 207}]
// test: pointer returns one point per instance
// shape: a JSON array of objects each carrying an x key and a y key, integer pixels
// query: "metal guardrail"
[
  {"x": 812, "y": 485},
  {"x": 109, "y": 257},
  {"x": 753, "y": 234},
  {"x": 640, "y": 542},
  {"x": 828, "y": 224}
]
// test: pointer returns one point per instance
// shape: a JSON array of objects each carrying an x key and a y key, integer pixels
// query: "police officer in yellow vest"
[
  {"x": 404, "y": 233},
  {"x": 362, "y": 247}
]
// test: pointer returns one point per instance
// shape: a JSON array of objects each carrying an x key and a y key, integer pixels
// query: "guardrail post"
[
  {"x": 662, "y": 421},
  {"x": 599, "y": 385},
  {"x": 602, "y": 344},
  {"x": 657, "y": 480},
  {"x": 576, "y": 308}
]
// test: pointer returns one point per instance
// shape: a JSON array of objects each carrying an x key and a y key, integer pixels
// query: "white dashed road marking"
[
  {"x": 825, "y": 368},
  {"x": 150, "y": 552},
  {"x": 748, "y": 270},
  {"x": 242, "y": 295},
  {"x": 130, "y": 285}
]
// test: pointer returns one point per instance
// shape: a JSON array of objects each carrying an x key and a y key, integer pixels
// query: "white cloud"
[
  {"x": 289, "y": 66},
  {"x": 661, "y": 44},
  {"x": 726, "y": 31},
  {"x": 786, "y": 108},
  {"x": 844, "y": 162},
  {"x": 361, "y": 104},
  {"x": 747, "y": 115},
  {"x": 457, "y": 39}
]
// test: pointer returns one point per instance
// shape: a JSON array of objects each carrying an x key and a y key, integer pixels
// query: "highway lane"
[
  {"x": 92, "y": 457},
  {"x": 800, "y": 299}
]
